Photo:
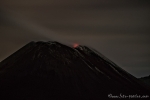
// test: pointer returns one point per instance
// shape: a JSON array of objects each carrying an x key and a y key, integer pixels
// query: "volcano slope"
[{"x": 53, "y": 71}]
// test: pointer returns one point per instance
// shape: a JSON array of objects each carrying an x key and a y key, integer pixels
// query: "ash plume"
[{"x": 21, "y": 22}]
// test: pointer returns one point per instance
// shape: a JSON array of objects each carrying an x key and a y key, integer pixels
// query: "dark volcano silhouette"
[{"x": 53, "y": 71}]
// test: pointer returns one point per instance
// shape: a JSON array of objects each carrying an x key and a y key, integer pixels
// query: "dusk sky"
[{"x": 119, "y": 29}]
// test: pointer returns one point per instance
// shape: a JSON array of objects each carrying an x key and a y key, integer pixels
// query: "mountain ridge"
[{"x": 51, "y": 70}]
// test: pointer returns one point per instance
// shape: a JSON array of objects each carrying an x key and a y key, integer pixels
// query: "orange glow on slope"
[{"x": 75, "y": 45}]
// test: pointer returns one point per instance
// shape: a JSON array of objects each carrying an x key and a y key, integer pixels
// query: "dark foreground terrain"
[
  {"x": 146, "y": 80},
  {"x": 53, "y": 71}
]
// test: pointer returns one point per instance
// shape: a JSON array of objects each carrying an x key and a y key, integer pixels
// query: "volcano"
[{"x": 54, "y": 71}]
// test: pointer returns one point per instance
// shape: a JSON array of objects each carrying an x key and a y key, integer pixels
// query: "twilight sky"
[{"x": 119, "y": 29}]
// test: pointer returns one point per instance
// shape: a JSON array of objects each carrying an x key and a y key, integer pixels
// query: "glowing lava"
[{"x": 75, "y": 45}]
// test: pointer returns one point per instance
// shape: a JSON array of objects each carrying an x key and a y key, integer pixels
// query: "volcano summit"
[{"x": 53, "y": 71}]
